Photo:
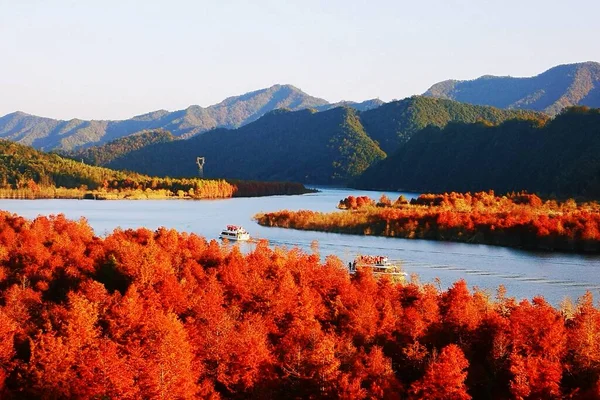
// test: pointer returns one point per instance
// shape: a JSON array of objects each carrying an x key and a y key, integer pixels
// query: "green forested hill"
[
  {"x": 394, "y": 123},
  {"x": 21, "y": 164},
  {"x": 559, "y": 157},
  {"x": 105, "y": 154},
  {"x": 307, "y": 146},
  {"x": 550, "y": 92}
]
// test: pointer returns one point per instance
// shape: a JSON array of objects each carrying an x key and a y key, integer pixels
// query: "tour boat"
[
  {"x": 234, "y": 232},
  {"x": 379, "y": 265}
]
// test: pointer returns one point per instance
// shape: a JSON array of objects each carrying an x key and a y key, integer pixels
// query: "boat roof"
[{"x": 234, "y": 228}]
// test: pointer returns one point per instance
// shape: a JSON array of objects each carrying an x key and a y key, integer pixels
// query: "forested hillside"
[
  {"x": 551, "y": 157},
  {"x": 29, "y": 173},
  {"x": 105, "y": 154},
  {"x": 550, "y": 92},
  {"x": 306, "y": 146},
  {"x": 394, "y": 123},
  {"x": 20, "y": 165}
]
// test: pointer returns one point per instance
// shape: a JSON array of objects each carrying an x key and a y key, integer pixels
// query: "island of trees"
[
  {"x": 517, "y": 220},
  {"x": 162, "y": 314}
]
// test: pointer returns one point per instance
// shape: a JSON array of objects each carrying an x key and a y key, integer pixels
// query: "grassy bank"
[{"x": 195, "y": 190}]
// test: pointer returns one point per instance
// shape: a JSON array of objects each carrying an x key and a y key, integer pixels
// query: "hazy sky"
[{"x": 116, "y": 59}]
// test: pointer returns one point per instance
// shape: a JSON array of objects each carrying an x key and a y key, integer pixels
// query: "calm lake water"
[{"x": 524, "y": 273}]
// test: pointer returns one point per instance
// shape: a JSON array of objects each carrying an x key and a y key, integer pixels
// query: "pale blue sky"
[{"x": 116, "y": 59}]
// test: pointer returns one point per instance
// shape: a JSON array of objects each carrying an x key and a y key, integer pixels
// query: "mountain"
[
  {"x": 105, "y": 154},
  {"x": 393, "y": 124},
  {"x": 233, "y": 112},
  {"x": 550, "y": 92},
  {"x": 558, "y": 156},
  {"x": 324, "y": 147},
  {"x": 306, "y": 146}
]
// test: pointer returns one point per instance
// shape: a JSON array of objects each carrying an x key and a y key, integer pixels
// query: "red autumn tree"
[{"x": 444, "y": 378}]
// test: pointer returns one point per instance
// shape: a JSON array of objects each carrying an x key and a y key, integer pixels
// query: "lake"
[{"x": 524, "y": 273}]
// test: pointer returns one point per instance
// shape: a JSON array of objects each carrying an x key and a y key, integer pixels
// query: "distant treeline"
[
  {"x": 259, "y": 188},
  {"x": 516, "y": 220}
]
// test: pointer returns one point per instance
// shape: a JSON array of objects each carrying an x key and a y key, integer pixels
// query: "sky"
[{"x": 116, "y": 59}]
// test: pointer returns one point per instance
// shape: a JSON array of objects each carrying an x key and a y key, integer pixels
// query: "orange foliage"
[
  {"x": 355, "y": 203},
  {"x": 144, "y": 187},
  {"x": 518, "y": 220},
  {"x": 161, "y": 314},
  {"x": 445, "y": 377}
]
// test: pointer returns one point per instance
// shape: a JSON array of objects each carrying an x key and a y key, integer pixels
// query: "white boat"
[
  {"x": 234, "y": 232},
  {"x": 379, "y": 265}
]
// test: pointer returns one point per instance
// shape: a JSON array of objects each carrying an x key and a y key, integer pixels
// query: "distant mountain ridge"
[
  {"x": 233, "y": 112},
  {"x": 362, "y": 106},
  {"x": 550, "y": 92}
]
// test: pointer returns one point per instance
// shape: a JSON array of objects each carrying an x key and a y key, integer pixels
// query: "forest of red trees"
[
  {"x": 168, "y": 315},
  {"x": 517, "y": 220}
]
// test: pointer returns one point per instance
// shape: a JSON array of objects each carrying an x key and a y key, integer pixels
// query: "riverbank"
[
  {"x": 518, "y": 220},
  {"x": 208, "y": 189}
]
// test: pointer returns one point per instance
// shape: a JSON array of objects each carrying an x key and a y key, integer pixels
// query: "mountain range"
[
  {"x": 233, "y": 112},
  {"x": 550, "y": 92}
]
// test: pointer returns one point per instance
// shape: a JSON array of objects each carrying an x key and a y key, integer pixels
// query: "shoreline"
[{"x": 148, "y": 194}]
